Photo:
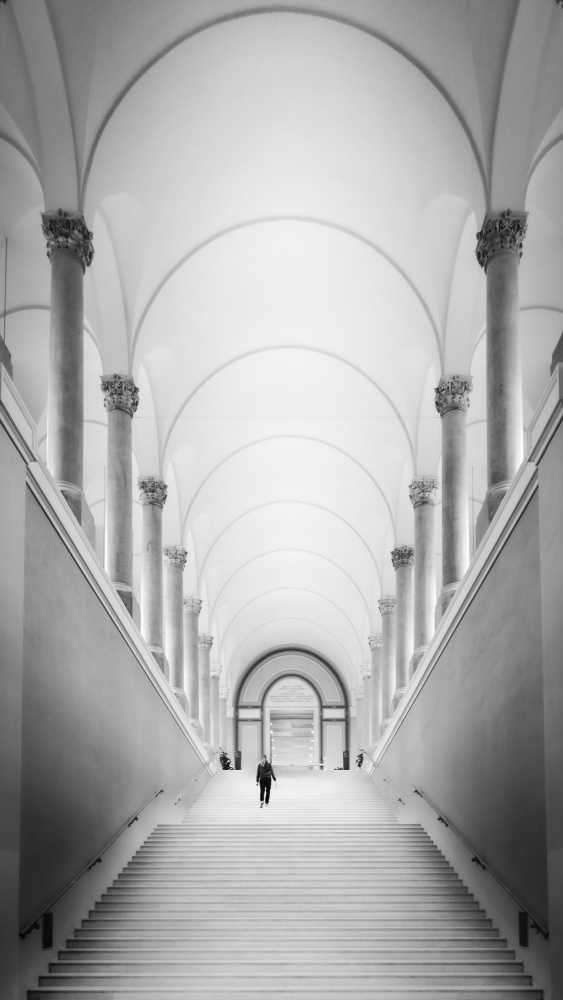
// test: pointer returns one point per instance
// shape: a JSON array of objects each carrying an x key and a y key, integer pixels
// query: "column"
[
  {"x": 153, "y": 497},
  {"x": 70, "y": 250},
  {"x": 375, "y": 646},
  {"x": 365, "y": 669},
  {"x": 402, "y": 558},
  {"x": 452, "y": 403},
  {"x": 499, "y": 249},
  {"x": 224, "y": 740},
  {"x": 192, "y": 608},
  {"x": 205, "y": 643},
  {"x": 422, "y": 493},
  {"x": 359, "y": 694},
  {"x": 215, "y": 709},
  {"x": 121, "y": 398},
  {"x": 387, "y": 607},
  {"x": 175, "y": 560}
]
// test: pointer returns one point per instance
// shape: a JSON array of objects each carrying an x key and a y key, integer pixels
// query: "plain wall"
[
  {"x": 98, "y": 739},
  {"x": 473, "y": 739}
]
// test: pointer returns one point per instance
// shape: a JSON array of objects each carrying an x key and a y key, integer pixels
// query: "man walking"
[{"x": 264, "y": 775}]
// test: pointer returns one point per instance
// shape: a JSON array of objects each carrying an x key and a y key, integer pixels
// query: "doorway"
[{"x": 292, "y": 740}]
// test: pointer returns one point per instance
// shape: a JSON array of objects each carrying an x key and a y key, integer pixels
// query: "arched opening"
[{"x": 291, "y": 704}]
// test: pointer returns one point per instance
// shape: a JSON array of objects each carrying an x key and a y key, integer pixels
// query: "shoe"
[{"x": 261, "y": 804}]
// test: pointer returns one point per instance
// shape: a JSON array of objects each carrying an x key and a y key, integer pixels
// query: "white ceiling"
[{"x": 284, "y": 202}]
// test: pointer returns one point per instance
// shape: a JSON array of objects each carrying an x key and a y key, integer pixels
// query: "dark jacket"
[{"x": 265, "y": 771}]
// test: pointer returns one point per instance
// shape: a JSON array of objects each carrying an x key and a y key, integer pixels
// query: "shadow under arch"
[{"x": 294, "y": 670}]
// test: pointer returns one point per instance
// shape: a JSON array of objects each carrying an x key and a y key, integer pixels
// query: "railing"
[
  {"x": 34, "y": 924},
  {"x": 535, "y": 923}
]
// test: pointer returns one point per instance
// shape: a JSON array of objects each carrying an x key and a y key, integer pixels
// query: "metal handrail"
[
  {"x": 34, "y": 924},
  {"x": 536, "y": 925}
]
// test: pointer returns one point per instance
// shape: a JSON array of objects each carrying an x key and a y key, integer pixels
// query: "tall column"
[
  {"x": 375, "y": 646},
  {"x": 153, "y": 497},
  {"x": 121, "y": 398},
  {"x": 403, "y": 561},
  {"x": 452, "y": 403},
  {"x": 422, "y": 492},
  {"x": 175, "y": 561},
  {"x": 205, "y": 643},
  {"x": 70, "y": 250},
  {"x": 224, "y": 740},
  {"x": 192, "y": 608},
  {"x": 359, "y": 693},
  {"x": 365, "y": 669},
  {"x": 215, "y": 708},
  {"x": 387, "y": 607},
  {"x": 499, "y": 249}
]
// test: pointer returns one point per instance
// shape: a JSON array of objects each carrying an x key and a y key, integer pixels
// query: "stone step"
[
  {"x": 302, "y": 966},
  {"x": 108, "y": 950},
  {"x": 393, "y": 924},
  {"x": 375, "y": 991},
  {"x": 349, "y": 981}
]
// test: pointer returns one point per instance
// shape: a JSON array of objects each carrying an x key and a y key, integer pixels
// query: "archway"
[{"x": 298, "y": 697}]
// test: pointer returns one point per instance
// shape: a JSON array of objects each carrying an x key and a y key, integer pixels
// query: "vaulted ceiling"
[{"x": 284, "y": 200}]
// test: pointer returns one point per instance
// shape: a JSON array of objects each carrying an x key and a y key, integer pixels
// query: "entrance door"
[{"x": 292, "y": 741}]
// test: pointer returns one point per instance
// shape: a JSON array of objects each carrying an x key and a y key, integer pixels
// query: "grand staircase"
[{"x": 322, "y": 895}]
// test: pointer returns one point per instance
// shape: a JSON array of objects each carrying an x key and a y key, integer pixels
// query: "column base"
[
  {"x": 383, "y": 726},
  {"x": 444, "y": 599},
  {"x": 416, "y": 658},
  {"x": 73, "y": 496},
  {"x": 126, "y": 594},
  {"x": 158, "y": 653},
  {"x": 397, "y": 696},
  {"x": 493, "y": 499},
  {"x": 181, "y": 698},
  {"x": 196, "y": 726}
]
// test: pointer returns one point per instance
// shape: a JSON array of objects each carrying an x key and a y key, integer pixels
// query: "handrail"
[
  {"x": 536, "y": 925},
  {"x": 34, "y": 924}
]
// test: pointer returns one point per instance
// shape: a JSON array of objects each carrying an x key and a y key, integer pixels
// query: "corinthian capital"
[
  {"x": 375, "y": 640},
  {"x": 67, "y": 231},
  {"x": 193, "y": 605},
  {"x": 204, "y": 641},
  {"x": 152, "y": 491},
  {"x": 423, "y": 490},
  {"x": 174, "y": 555},
  {"x": 120, "y": 393},
  {"x": 452, "y": 393},
  {"x": 502, "y": 232},
  {"x": 365, "y": 669},
  {"x": 387, "y": 605},
  {"x": 216, "y": 669},
  {"x": 403, "y": 555}
]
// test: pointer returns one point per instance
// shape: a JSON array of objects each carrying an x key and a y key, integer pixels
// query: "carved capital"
[
  {"x": 216, "y": 669},
  {"x": 375, "y": 640},
  {"x": 174, "y": 555},
  {"x": 365, "y": 669},
  {"x": 120, "y": 393},
  {"x": 359, "y": 692},
  {"x": 224, "y": 692},
  {"x": 502, "y": 232},
  {"x": 403, "y": 555},
  {"x": 452, "y": 393},
  {"x": 67, "y": 231},
  {"x": 423, "y": 489},
  {"x": 193, "y": 605},
  {"x": 152, "y": 491},
  {"x": 204, "y": 641},
  {"x": 387, "y": 605}
]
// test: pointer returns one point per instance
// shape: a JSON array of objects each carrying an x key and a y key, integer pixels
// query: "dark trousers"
[{"x": 265, "y": 786}]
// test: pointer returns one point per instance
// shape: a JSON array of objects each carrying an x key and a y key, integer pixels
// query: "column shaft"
[
  {"x": 205, "y": 643},
  {"x": 403, "y": 558},
  {"x": 452, "y": 402},
  {"x": 175, "y": 561},
  {"x": 366, "y": 714},
  {"x": 153, "y": 497},
  {"x": 375, "y": 646},
  {"x": 70, "y": 251},
  {"x": 225, "y": 742},
  {"x": 121, "y": 400},
  {"x": 359, "y": 693},
  {"x": 215, "y": 708},
  {"x": 192, "y": 608},
  {"x": 388, "y": 636},
  {"x": 499, "y": 249},
  {"x": 422, "y": 493}
]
